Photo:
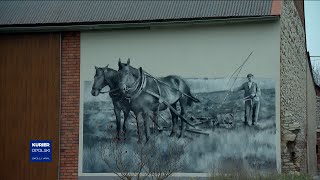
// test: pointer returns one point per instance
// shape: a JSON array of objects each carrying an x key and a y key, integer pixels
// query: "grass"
[
  {"x": 246, "y": 176},
  {"x": 242, "y": 173}
]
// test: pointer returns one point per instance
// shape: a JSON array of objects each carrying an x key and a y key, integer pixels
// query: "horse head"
[
  {"x": 101, "y": 79},
  {"x": 126, "y": 76}
]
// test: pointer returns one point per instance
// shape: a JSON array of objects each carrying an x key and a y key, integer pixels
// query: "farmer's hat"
[{"x": 250, "y": 75}]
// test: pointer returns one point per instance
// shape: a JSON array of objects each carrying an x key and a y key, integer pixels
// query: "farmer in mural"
[{"x": 252, "y": 100}]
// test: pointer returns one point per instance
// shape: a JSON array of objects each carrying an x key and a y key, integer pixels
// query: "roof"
[{"x": 57, "y": 12}]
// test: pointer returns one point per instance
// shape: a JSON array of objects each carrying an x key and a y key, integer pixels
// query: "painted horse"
[
  {"x": 148, "y": 95},
  {"x": 109, "y": 77}
]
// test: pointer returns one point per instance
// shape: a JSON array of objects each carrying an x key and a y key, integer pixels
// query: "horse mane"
[
  {"x": 111, "y": 70},
  {"x": 113, "y": 77},
  {"x": 135, "y": 71}
]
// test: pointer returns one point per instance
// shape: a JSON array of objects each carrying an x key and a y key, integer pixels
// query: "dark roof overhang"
[{"x": 87, "y": 26}]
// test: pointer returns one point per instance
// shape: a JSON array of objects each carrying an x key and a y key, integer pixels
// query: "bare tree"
[
  {"x": 154, "y": 160},
  {"x": 167, "y": 161}
]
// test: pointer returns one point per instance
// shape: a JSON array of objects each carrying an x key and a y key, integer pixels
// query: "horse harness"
[{"x": 141, "y": 88}]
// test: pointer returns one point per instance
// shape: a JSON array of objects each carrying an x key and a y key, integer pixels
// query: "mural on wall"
[{"x": 214, "y": 124}]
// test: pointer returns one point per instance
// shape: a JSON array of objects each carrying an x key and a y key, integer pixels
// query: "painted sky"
[{"x": 312, "y": 19}]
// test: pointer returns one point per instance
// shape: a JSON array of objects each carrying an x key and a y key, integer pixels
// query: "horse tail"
[
  {"x": 187, "y": 98},
  {"x": 190, "y": 97}
]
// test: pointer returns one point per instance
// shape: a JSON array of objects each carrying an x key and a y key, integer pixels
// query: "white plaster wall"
[
  {"x": 193, "y": 51},
  {"x": 189, "y": 51}
]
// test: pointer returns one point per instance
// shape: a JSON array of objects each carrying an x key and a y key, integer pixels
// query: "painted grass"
[{"x": 252, "y": 148}]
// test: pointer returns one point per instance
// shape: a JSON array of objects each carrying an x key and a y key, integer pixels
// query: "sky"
[{"x": 312, "y": 20}]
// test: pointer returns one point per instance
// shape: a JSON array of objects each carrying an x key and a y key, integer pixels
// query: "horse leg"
[
  {"x": 126, "y": 113},
  {"x": 117, "y": 112},
  {"x": 174, "y": 119},
  {"x": 139, "y": 126},
  {"x": 182, "y": 112},
  {"x": 147, "y": 125},
  {"x": 155, "y": 120}
]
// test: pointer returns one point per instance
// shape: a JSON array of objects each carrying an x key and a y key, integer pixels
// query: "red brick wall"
[
  {"x": 69, "y": 128},
  {"x": 276, "y": 7}
]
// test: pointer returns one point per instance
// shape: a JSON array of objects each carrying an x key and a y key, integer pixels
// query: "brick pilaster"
[{"x": 69, "y": 131}]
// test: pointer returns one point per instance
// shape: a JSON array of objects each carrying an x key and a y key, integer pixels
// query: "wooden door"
[{"x": 29, "y": 103}]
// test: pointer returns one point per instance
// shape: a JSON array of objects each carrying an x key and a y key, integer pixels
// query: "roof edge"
[
  {"x": 276, "y": 8},
  {"x": 128, "y": 25}
]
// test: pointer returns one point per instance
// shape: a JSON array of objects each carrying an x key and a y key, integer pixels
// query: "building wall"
[
  {"x": 318, "y": 129},
  {"x": 70, "y": 98},
  {"x": 293, "y": 114},
  {"x": 205, "y": 52},
  {"x": 293, "y": 90},
  {"x": 318, "y": 111},
  {"x": 202, "y": 44},
  {"x": 300, "y": 8},
  {"x": 293, "y": 136},
  {"x": 311, "y": 123},
  {"x": 318, "y": 90}
]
